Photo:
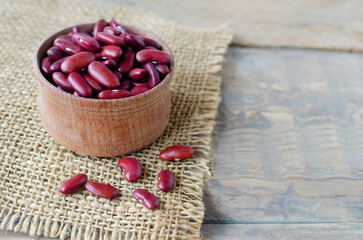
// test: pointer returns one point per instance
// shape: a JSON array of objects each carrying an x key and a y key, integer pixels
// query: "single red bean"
[
  {"x": 98, "y": 56},
  {"x": 77, "y": 61},
  {"x": 56, "y": 66},
  {"x": 73, "y": 184},
  {"x": 153, "y": 78},
  {"x": 111, "y": 30},
  {"x": 139, "y": 89},
  {"x": 127, "y": 61},
  {"x": 103, "y": 75},
  {"x": 46, "y": 63},
  {"x": 79, "y": 84},
  {"x": 137, "y": 74},
  {"x": 55, "y": 53},
  {"x": 79, "y": 29},
  {"x": 110, "y": 63},
  {"x": 113, "y": 94},
  {"x": 150, "y": 42},
  {"x": 93, "y": 83},
  {"x": 102, "y": 190},
  {"x": 86, "y": 42},
  {"x": 115, "y": 24},
  {"x": 99, "y": 26},
  {"x": 132, "y": 168},
  {"x": 140, "y": 83},
  {"x": 176, "y": 152},
  {"x": 149, "y": 48},
  {"x": 166, "y": 180},
  {"x": 68, "y": 47},
  {"x": 111, "y": 51},
  {"x": 110, "y": 39},
  {"x": 118, "y": 74},
  {"x": 149, "y": 200},
  {"x": 61, "y": 80},
  {"x": 125, "y": 85},
  {"x": 157, "y": 56},
  {"x": 134, "y": 42},
  {"x": 63, "y": 38},
  {"x": 65, "y": 90},
  {"x": 162, "y": 69}
]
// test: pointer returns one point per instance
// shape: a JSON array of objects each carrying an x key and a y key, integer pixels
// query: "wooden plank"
[
  {"x": 283, "y": 231},
  {"x": 303, "y": 23}
]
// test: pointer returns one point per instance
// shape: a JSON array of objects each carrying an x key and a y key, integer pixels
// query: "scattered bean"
[
  {"x": 176, "y": 152},
  {"x": 73, "y": 184},
  {"x": 149, "y": 200},
  {"x": 102, "y": 190},
  {"x": 132, "y": 168},
  {"x": 166, "y": 180}
]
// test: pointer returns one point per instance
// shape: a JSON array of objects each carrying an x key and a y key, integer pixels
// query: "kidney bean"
[
  {"x": 110, "y": 39},
  {"x": 150, "y": 42},
  {"x": 157, "y": 56},
  {"x": 55, "y": 53},
  {"x": 118, "y": 74},
  {"x": 126, "y": 84},
  {"x": 86, "y": 42},
  {"x": 98, "y": 27},
  {"x": 134, "y": 42},
  {"x": 77, "y": 61},
  {"x": 113, "y": 94},
  {"x": 153, "y": 78},
  {"x": 162, "y": 69},
  {"x": 110, "y": 63},
  {"x": 122, "y": 35},
  {"x": 68, "y": 47},
  {"x": 79, "y": 84},
  {"x": 73, "y": 184},
  {"x": 79, "y": 29},
  {"x": 127, "y": 61},
  {"x": 111, "y": 51},
  {"x": 65, "y": 90},
  {"x": 46, "y": 63},
  {"x": 176, "y": 152},
  {"x": 61, "y": 80},
  {"x": 103, "y": 75},
  {"x": 111, "y": 30},
  {"x": 56, "y": 66},
  {"x": 137, "y": 74},
  {"x": 102, "y": 190},
  {"x": 115, "y": 24},
  {"x": 63, "y": 38},
  {"x": 132, "y": 168},
  {"x": 149, "y": 200},
  {"x": 93, "y": 83},
  {"x": 139, "y": 89},
  {"x": 149, "y": 48},
  {"x": 166, "y": 180}
]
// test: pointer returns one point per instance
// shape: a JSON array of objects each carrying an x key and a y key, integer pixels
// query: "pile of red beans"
[
  {"x": 132, "y": 172},
  {"x": 106, "y": 64}
]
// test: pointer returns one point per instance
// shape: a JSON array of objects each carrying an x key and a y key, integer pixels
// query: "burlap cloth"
[{"x": 32, "y": 165}]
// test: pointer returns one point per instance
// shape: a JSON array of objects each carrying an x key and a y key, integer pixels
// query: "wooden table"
[{"x": 288, "y": 140}]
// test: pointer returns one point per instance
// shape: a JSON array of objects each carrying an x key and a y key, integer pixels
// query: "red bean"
[
  {"x": 149, "y": 48},
  {"x": 111, "y": 51},
  {"x": 93, "y": 83},
  {"x": 134, "y": 42},
  {"x": 166, "y": 180},
  {"x": 162, "y": 69},
  {"x": 79, "y": 29},
  {"x": 61, "y": 80},
  {"x": 115, "y": 24},
  {"x": 138, "y": 90},
  {"x": 127, "y": 61},
  {"x": 56, "y": 66},
  {"x": 126, "y": 84},
  {"x": 113, "y": 94},
  {"x": 137, "y": 74},
  {"x": 150, "y": 42},
  {"x": 79, "y": 84},
  {"x": 77, "y": 61},
  {"x": 157, "y": 56},
  {"x": 149, "y": 200},
  {"x": 110, "y": 39},
  {"x": 176, "y": 152},
  {"x": 122, "y": 35},
  {"x": 86, "y": 42},
  {"x": 132, "y": 168},
  {"x": 73, "y": 184},
  {"x": 111, "y": 30},
  {"x": 65, "y": 90},
  {"x": 118, "y": 74},
  {"x": 103, "y": 75},
  {"x": 110, "y": 63},
  {"x": 140, "y": 83},
  {"x": 98, "y": 27},
  {"x": 55, "y": 53},
  {"x": 102, "y": 190},
  {"x": 46, "y": 63},
  {"x": 63, "y": 38},
  {"x": 68, "y": 47},
  {"x": 153, "y": 78}
]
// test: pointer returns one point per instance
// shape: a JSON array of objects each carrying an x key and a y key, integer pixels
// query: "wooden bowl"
[{"x": 103, "y": 127}]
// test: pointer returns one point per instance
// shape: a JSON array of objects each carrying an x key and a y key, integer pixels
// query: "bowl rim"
[{"x": 37, "y": 65}]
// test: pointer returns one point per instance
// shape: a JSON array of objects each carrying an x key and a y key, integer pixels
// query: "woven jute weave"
[{"x": 33, "y": 166}]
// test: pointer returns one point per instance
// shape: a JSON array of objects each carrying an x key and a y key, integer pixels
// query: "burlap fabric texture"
[{"x": 33, "y": 166}]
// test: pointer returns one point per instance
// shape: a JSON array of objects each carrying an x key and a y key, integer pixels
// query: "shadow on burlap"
[{"x": 32, "y": 165}]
